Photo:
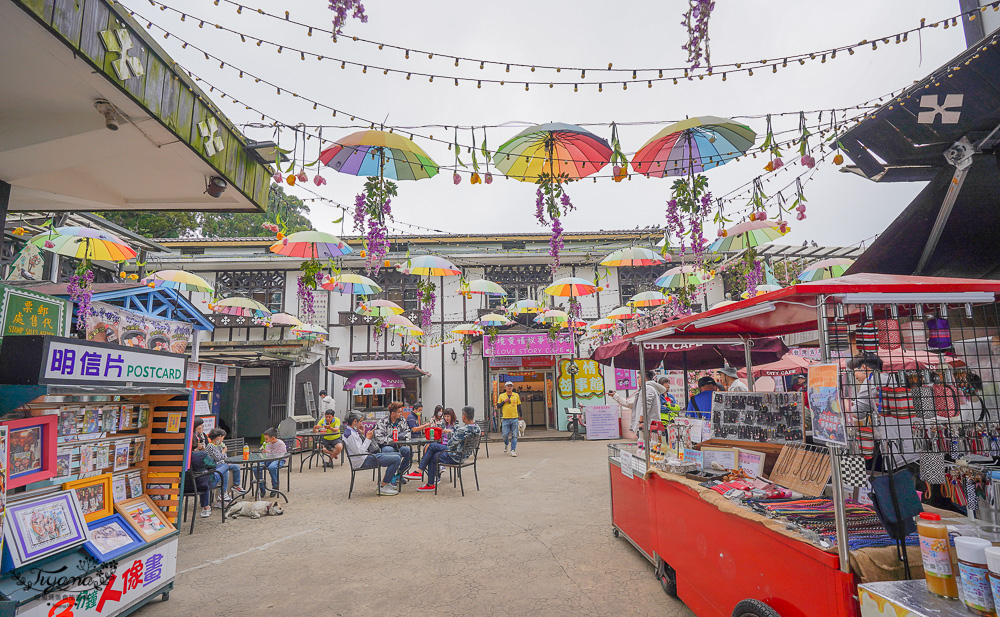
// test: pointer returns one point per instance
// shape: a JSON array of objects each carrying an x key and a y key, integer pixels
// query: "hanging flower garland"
[
  {"x": 805, "y": 151},
  {"x": 770, "y": 145},
  {"x": 696, "y": 22},
  {"x": 690, "y": 199},
  {"x": 426, "y": 297},
  {"x": 551, "y": 203},
  {"x": 371, "y": 210},
  {"x": 80, "y": 288},
  {"x": 343, "y": 8}
]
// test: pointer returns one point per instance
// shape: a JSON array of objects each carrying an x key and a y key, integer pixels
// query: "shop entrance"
[{"x": 533, "y": 378}]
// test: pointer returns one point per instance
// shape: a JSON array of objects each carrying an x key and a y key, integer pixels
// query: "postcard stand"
[{"x": 96, "y": 427}]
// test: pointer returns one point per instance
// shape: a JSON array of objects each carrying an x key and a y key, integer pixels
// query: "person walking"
[
  {"x": 326, "y": 403},
  {"x": 509, "y": 403}
]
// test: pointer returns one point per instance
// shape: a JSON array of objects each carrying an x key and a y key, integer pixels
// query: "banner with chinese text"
[
  {"x": 26, "y": 313},
  {"x": 588, "y": 380},
  {"x": 530, "y": 344},
  {"x": 69, "y": 362}
]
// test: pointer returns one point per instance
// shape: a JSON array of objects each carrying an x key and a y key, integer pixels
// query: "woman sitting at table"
[
  {"x": 434, "y": 450},
  {"x": 272, "y": 447},
  {"x": 449, "y": 420},
  {"x": 414, "y": 419},
  {"x": 364, "y": 453},
  {"x": 437, "y": 421}
]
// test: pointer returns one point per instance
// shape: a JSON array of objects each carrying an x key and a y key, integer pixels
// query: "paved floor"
[{"x": 536, "y": 540}]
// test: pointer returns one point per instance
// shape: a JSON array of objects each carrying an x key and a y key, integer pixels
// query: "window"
[
  {"x": 633, "y": 280},
  {"x": 264, "y": 286},
  {"x": 400, "y": 288},
  {"x": 520, "y": 282}
]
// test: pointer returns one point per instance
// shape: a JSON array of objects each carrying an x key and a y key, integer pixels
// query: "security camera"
[
  {"x": 110, "y": 113},
  {"x": 216, "y": 186}
]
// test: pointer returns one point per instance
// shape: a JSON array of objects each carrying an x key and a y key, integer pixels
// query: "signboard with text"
[
  {"x": 603, "y": 421},
  {"x": 588, "y": 379},
  {"x": 528, "y": 344},
  {"x": 625, "y": 379},
  {"x": 26, "y": 313}
]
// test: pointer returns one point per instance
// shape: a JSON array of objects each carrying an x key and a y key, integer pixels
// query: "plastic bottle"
[
  {"x": 940, "y": 568},
  {"x": 993, "y": 562},
  {"x": 974, "y": 573},
  {"x": 246, "y": 453}
]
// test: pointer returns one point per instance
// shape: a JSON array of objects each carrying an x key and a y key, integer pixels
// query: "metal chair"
[
  {"x": 376, "y": 470},
  {"x": 191, "y": 492},
  {"x": 470, "y": 452},
  {"x": 484, "y": 426},
  {"x": 234, "y": 447}
]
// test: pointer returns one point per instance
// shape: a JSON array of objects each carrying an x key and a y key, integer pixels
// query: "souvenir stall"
[
  {"x": 374, "y": 384},
  {"x": 905, "y": 379},
  {"x": 95, "y": 440}
]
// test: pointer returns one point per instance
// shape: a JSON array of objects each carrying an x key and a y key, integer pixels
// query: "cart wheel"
[
  {"x": 616, "y": 532},
  {"x": 166, "y": 596},
  {"x": 754, "y": 608},
  {"x": 668, "y": 579}
]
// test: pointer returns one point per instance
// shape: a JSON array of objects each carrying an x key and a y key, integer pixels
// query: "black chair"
[
  {"x": 191, "y": 492},
  {"x": 376, "y": 470},
  {"x": 234, "y": 447},
  {"x": 470, "y": 452},
  {"x": 484, "y": 426}
]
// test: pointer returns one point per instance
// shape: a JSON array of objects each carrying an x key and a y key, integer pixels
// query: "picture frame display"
[
  {"x": 44, "y": 525},
  {"x": 94, "y": 496},
  {"x": 111, "y": 537},
  {"x": 31, "y": 444},
  {"x": 727, "y": 457},
  {"x": 121, "y": 454},
  {"x": 145, "y": 517}
]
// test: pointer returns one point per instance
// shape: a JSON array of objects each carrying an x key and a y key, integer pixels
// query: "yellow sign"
[{"x": 589, "y": 380}]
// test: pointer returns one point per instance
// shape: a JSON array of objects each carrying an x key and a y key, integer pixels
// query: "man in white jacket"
[
  {"x": 358, "y": 446},
  {"x": 652, "y": 391}
]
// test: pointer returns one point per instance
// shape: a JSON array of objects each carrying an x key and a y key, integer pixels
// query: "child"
[
  {"x": 217, "y": 450},
  {"x": 272, "y": 447}
]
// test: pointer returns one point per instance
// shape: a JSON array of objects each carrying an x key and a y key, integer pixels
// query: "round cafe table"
[
  {"x": 258, "y": 461},
  {"x": 314, "y": 450}
]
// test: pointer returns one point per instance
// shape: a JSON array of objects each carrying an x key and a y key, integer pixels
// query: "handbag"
[
  {"x": 932, "y": 468},
  {"x": 897, "y": 402},
  {"x": 889, "y": 334},
  {"x": 945, "y": 400},
  {"x": 923, "y": 402},
  {"x": 894, "y": 496},
  {"x": 866, "y": 337}
]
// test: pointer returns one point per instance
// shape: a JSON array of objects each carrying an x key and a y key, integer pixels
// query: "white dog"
[
  {"x": 521, "y": 425},
  {"x": 254, "y": 509}
]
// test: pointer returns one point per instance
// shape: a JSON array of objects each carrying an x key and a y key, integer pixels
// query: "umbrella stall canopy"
[
  {"x": 693, "y": 146},
  {"x": 746, "y": 235},
  {"x": 312, "y": 245},
  {"x": 789, "y": 364},
  {"x": 85, "y": 243},
  {"x": 379, "y": 153},
  {"x": 348, "y": 283},
  {"x": 681, "y": 276},
  {"x": 632, "y": 256},
  {"x": 554, "y": 148},
  {"x": 690, "y": 356},
  {"x": 825, "y": 269},
  {"x": 364, "y": 383},
  {"x": 179, "y": 280}
]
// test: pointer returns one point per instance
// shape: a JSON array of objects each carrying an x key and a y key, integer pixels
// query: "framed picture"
[
  {"x": 143, "y": 416},
  {"x": 121, "y": 454},
  {"x": 67, "y": 423},
  {"x": 139, "y": 451},
  {"x": 111, "y": 537},
  {"x": 31, "y": 449},
  {"x": 44, "y": 525},
  {"x": 94, "y": 496},
  {"x": 727, "y": 458},
  {"x": 135, "y": 484},
  {"x": 125, "y": 422},
  {"x": 109, "y": 419},
  {"x": 118, "y": 487},
  {"x": 145, "y": 517},
  {"x": 173, "y": 422}
]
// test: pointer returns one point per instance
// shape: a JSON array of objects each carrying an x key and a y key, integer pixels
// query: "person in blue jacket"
[{"x": 701, "y": 403}]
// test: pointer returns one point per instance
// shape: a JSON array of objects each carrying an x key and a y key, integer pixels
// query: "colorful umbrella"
[
  {"x": 681, "y": 276},
  {"x": 632, "y": 256},
  {"x": 693, "y": 146},
  {"x": 648, "y": 298},
  {"x": 406, "y": 330},
  {"x": 179, "y": 280},
  {"x": 761, "y": 290},
  {"x": 746, "y": 235},
  {"x": 623, "y": 312},
  {"x": 398, "y": 320},
  {"x": 825, "y": 269},
  {"x": 577, "y": 323},
  {"x": 554, "y": 148},
  {"x": 348, "y": 283},
  {"x": 84, "y": 242},
  {"x": 284, "y": 320},
  {"x": 374, "y": 153},
  {"x": 470, "y": 329},
  {"x": 241, "y": 307},
  {"x": 603, "y": 324},
  {"x": 379, "y": 308},
  {"x": 571, "y": 287},
  {"x": 524, "y": 307},
  {"x": 310, "y": 332},
  {"x": 431, "y": 265},
  {"x": 552, "y": 316},
  {"x": 492, "y": 320},
  {"x": 311, "y": 245},
  {"x": 482, "y": 286}
]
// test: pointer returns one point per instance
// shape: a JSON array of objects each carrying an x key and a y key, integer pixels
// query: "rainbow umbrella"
[
  {"x": 554, "y": 148},
  {"x": 406, "y": 331},
  {"x": 239, "y": 306},
  {"x": 623, "y": 312},
  {"x": 648, "y": 298},
  {"x": 632, "y": 256},
  {"x": 284, "y": 320},
  {"x": 492, "y": 320},
  {"x": 348, "y": 283},
  {"x": 693, "y": 146},
  {"x": 379, "y": 308},
  {"x": 571, "y": 287},
  {"x": 603, "y": 324},
  {"x": 379, "y": 153},
  {"x": 309, "y": 331},
  {"x": 469, "y": 329},
  {"x": 576, "y": 323},
  {"x": 552, "y": 316},
  {"x": 85, "y": 243},
  {"x": 399, "y": 320},
  {"x": 681, "y": 276},
  {"x": 524, "y": 307},
  {"x": 761, "y": 290},
  {"x": 746, "y": 235},
  {"x": 311, "y": 245},
  {"x": 825, "y": 269},
  {"x": 179, "y": 280},
  {"x": 431, "y": 265},
  {"x": 482, "y": 286}
]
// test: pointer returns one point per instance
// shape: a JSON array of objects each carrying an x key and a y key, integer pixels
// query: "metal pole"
[
  {"x": 839, "y": 513},
  {"x": 195, "y": 345},
  {"x": 4, "y": 205},
  {"x": 747, "y": 344},
  {"x": 944, "y": 213},
  {"x": 441, "y": 302},
  {"x": 687, "y": 393},
  {"x": 642, "y": 395},
  {"x": 465, "y": 351},
  {"x": 236, "y": 400}
]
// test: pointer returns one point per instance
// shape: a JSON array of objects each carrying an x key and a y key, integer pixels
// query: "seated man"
[
  {"x": 432, "y": 452},
  {"x": 364, "y": 453},
  {"x": 272, "y": 447},
  {"x": 331, "y": 443},
  {"x": 414, "y": 420},
  {"x": 384, "y": 438},
  {"x": 453, "y": 454}
]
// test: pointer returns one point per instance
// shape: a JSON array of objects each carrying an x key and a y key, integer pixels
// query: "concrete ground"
[{"x": 535, "y": 540}]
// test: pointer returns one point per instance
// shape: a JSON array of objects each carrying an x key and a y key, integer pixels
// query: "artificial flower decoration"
[
  {"x": 457, "y": 179},
  {"x": 49, "y": 244},
  {"x": 133, "y": 277},
  {"x": 319, "y": 180},
  {"x": 278, "y": 177},
  {"x": 290, "y": 180},
  {"x": 302, "y": 177},
  {"x": 122, "y": 275},
  {"x": 808, "y": 161},
  {"x": 152, "y": 285},
  {"x": 475, "y": 178},
  {"x": 387, "y": 264},
  {"x": 271, "y": 227},
  {"x": 279, "y": 236},
  {"x": 362, "y": 253},
  {"x": 838, "y": 159},
  {"x": 489, "y": 177},
  {"x": 284, "y": 242},
  {"x": 19, "y": 231}
]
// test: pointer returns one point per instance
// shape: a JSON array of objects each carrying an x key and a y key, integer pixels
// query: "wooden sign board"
[{"x": 803, "y": 470}]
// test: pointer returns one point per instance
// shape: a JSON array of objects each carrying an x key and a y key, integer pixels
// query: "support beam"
[
  {"x": 942, "y": 218},
  {"x": 4, "y": 204}
]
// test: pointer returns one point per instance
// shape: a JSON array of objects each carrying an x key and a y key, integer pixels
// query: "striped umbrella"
[
  {"x": 432, "y": 265},
  {"x": 603, "y": 324},
  {"x": 309, "y": 331},
  {"x": 241, "y": 307},
  {"x": 693, "y": 146},
  {"x": 577, "y": 323},
  {"x": 682, "y": 276},
  {"x": 482, "y": 286},
  {"x": 648, "y": 298},
  {"x": 469, "y": 329},
  {"x": 399, "y": 320},
  {"x": 179, "y": 280},
  {"x": 492, "y": 320},
  {"x": 85, "y": 243},
  {"x": 311, "y": 245},
  {"x": 524, "y": 307},
  {"x": 284, "y": 320},
  {"x": 349, "y": 283},
  {"x": 554, "y": 148},
  {"x": 632, "y": 256},
  {"x": 406, "y": 330},
  {"x": 571, "y": 287},
  {"x": 623, "y": 312},
  {"x": 379, "y": 308},
  {"x": 379, "y": 153},
  {"x": 825, "y": 269},
  {"x": 746, "y": 235},
  {"x": 552, "y": 316}
]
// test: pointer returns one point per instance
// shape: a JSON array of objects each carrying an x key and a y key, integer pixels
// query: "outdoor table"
[
  {"x": 314, "y": 449},
  {"x": 259, "y": 461},
  {"x": 416, "y": 445}
]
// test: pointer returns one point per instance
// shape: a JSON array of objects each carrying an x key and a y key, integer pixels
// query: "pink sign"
[
  {"x": 625, "y": 379},
  {"x": 533, "y": 344}
]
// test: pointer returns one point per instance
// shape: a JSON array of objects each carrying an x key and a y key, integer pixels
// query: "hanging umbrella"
[
  {"x": 761, "y": 290},
  {"x": 398, "y": 320},
  {"x": 693, "y": 146},
  {"x": 632, "y": 256},
  {"x": 825, "y": 269},
  {"x": 552, "y": 316},
  {"x": 571, "y": 287},
  {"x": 469, "y": 329},
  {"x": 85, "y": 243},
  {"x": 554, "y": 148},
  {"x": 492, "y": 320},
  {"x": 379, "y": 308},
  {"x": 482, "y": 286},
  {"x": 348, "y": 283},
  {"x": 524, "y": 307},
  {"x": 746, "y": 235},
  {"x": 623, "y": 312},
  {"x": 603, "y": 324},
  {"x": 648, "y": 298},
  {"x": 576, "y": 323},
  {"x": 311, "y": 245},
  {"x": 239, "y": 306},
  {"x": 432, "y": 265},
  {"x": 406, "y": 330},
  {"x": 310, "y": 332},
  {"x": 284, "y": 320},
  {"x": 723, "y": 303},
  {"x": 682, "y": 276},
  {"x": 179, "y": 280},
  {"x": 366, "y": 153}
]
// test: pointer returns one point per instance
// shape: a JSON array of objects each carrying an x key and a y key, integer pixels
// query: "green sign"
[{"x": 26, "y": 313}]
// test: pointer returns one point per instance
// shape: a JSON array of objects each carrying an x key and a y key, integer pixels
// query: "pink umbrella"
[{"x": 789, "y": 364}]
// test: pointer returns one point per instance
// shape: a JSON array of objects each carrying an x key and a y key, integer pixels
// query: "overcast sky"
[{"x": 843, "y": 208}]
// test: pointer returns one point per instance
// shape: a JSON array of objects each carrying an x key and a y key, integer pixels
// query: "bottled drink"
[
  {"x": 395, "y": 434},
  {"x": 940, "y": 568},
  {"x": 246, "y": 453}
]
